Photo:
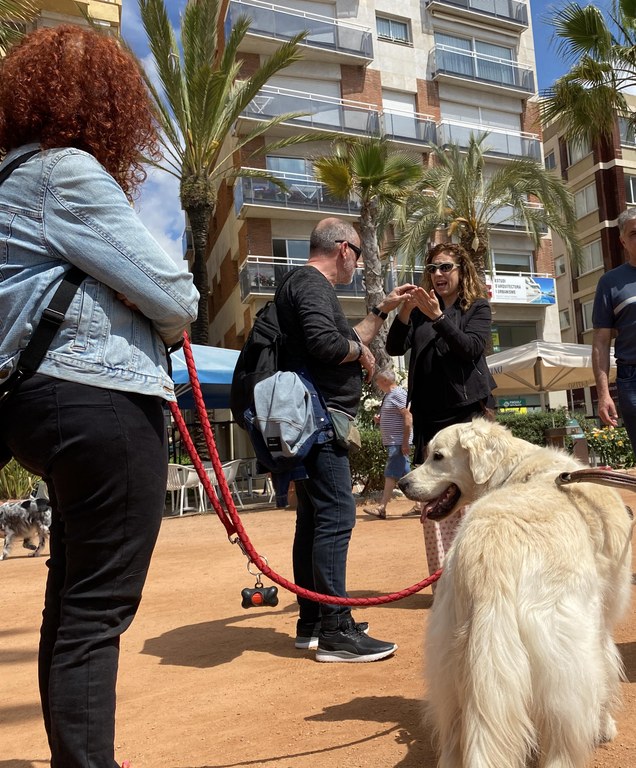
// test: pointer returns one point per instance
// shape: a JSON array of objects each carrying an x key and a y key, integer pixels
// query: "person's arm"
[
  {"x": 469, "y": 343},
  {"x": 98, "y": 231},
  {"x": 408, "y": 426},
  {"x": 368, "y": 328},
  {"x": 601, "y": 367}
]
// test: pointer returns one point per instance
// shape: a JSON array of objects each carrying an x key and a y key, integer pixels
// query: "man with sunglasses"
[{"x": 319, "y": 339}]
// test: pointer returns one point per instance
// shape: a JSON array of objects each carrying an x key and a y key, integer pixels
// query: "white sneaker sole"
[
  {"x": 352, "y": 658},
  {"x": 306, "y": 643}
]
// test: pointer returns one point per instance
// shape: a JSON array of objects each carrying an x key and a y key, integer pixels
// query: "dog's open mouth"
[{"x": 442, "y": 506}]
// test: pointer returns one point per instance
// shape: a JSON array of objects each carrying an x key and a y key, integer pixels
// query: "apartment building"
[
  {"x": 104, "y": 13},
  {"x": 603, "y": 181},
  {"x": 436, "y": 70}
]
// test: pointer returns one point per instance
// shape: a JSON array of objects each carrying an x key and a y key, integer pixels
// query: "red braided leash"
[{"x": 230, "y": 517}]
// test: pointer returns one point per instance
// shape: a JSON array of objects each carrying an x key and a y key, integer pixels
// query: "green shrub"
[
  {"x": 15, "y": 481},
  {"x": 532, "y": 426},
  {"x": 367, "y": 465},
  {"x": 611, "y": 446}
]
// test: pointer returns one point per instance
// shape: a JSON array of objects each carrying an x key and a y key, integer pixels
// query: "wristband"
[
  {"x": 439, "y": 319},
  {"x": 359, "y": 343},
  {"x": 379, "y": 313}
]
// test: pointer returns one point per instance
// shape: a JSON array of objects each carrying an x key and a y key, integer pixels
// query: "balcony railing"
[
  {"x": 303, "y": 191},
  {"x": 506, "y": 10},
  {"x": 448, "y": 60},
  {"x": 411, "y": 127},
  {"x": 325, "y": 33},
  {"x": 507, "y": 218},
  {"x": 498, "y": 142},
  {"x": 324, "y": 113},
  {"x": 262, "y": 275}
]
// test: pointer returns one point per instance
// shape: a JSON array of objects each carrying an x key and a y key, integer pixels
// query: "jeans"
[
  {"x": 103, "y": 455},
  {"x": 626, "y": 387},
  {"x": 325, "y": 517}
]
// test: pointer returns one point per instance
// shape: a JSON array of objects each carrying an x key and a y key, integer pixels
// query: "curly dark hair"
[
  {"x": 471, "y": 286},
  {"x": 72, "y": 87}
]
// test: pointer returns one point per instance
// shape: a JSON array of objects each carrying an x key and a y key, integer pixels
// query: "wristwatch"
[{"x": 379, "y": 313}]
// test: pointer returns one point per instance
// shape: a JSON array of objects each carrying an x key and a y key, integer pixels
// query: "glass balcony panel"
[
  {"x": 498, "y": 142},
  {"x": 322, "y": 32},
  {"x": 487, "y": 69},
  {"x": 323, "y": 113},
  {"x": 409, "y": 127},
  {"x": 262, "y": 275},
  {"x": 302, "y": 192},
  {"x": 501, "y": 9}
]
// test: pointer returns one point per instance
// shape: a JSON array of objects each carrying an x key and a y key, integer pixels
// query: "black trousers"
[{"x": 103, "y": 454}]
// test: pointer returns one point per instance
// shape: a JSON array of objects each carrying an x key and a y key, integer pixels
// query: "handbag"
[
  {"x": 52, "y": 317},
  {"x": 345, "y": 432}
]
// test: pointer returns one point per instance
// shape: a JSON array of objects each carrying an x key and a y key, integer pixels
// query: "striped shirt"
[{"x": 391, "y": 416}]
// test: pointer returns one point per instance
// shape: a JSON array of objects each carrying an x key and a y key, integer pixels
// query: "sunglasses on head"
[
  {"x": 354, "y": 248},
  {"x": 445, "y": 267}
]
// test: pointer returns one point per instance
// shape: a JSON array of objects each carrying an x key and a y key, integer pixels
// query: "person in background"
[
  {"x": 446, "y": 325},
  {"x": 614, "y": 315},
  {"x": 395, "y": 427},
  {"x": 319, "y": 339},
  {"x": 91, "y": 420}
]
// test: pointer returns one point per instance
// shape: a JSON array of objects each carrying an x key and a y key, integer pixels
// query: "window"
[
  {"x": 393, "y": 29},
  {"x": 296, "y": 250},
  {"x": 630, "y": 189},
  {"x": 298, "y": 165},
  {"x": 586, "y": 310},
  {"x": 585, "y": 201},
  {"x": 577, "y": 150},
  {"x": 508, "y": 335},
  {"x": 627, "y": 130},
  {"x": 559, "y": 266},
  {"x": 564, "y": 319},
  {"x": 550, "y": 162},
  {"x": 592, "y": 257},
  {"x": 512, "y": 262}
]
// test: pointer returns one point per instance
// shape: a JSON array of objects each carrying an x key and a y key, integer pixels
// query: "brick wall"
[
  {"x": 530, "y": 119},
  {"x": 545, "y": 257},
  {"x": 361, "y": 84},
  {"x": 427, "y": 99},
  {"x": 259, "y": 237},
  {"x": 250, "y": 62}
]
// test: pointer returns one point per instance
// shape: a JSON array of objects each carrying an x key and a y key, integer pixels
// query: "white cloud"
[{"x": 160, "y": 212}]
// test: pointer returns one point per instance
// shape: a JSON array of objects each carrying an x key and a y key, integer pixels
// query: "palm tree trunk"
[
  {"x": 199, "y": 217},
  {"x": 374, "y": 284}
]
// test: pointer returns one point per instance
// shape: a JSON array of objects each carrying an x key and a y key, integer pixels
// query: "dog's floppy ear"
[{"x": 486, "y": 446}]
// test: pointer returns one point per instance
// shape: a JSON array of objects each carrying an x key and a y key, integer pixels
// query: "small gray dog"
[{"x": 25, "y": 519}]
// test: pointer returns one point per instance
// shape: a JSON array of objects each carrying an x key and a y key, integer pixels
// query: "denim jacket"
[{"x": 62, "y": 208}]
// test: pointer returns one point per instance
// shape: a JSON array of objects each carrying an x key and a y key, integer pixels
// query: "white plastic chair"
[
  {"x": 230, "y": 471},
  {"x": 180, "y": 480}
]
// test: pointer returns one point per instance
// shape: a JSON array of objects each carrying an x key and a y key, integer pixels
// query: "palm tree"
[
  {"x": 587, "y": 98},
  {"x": 378, "y": 177},
  {"x": 13, "y": 13},
  {"x": 201, "y": 98},
  {"x": 455, "y": 194}
]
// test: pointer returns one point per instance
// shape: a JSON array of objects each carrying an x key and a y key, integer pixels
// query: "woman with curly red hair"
[{"x": 74, "y": 109}]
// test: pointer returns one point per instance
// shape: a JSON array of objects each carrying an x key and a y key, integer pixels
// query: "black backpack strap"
[{"x": 52, "y": 318}]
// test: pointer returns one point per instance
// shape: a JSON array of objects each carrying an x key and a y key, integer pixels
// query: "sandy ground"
[{"x": 205, "y": 683}]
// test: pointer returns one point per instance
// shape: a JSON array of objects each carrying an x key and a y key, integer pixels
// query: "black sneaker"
[
  {"x": 307, "y": 636},
  {"x": 350, "y": 644}
]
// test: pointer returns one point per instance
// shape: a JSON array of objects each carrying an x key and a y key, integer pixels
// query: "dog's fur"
[
  {"x": 522, "y": 667},
  {"x": 25, "y": 519}
]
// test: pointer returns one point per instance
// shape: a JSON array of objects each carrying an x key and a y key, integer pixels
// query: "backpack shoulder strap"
[{"x": 16, "y": 163}]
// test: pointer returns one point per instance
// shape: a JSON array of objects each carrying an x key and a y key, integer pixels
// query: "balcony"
[
  {"x": 409, "y": 128},
  {"x": 449, "y": 63},
  {"x": 327, "y": 39},
  {"x": 323, "y": 113},
  {"x": 262, "y": 198},
  {"x": 505, "y": 219},
  {"x": 499, "y": 142},
  {"x": 508, "y": 14},
  {"x": 261, "y": 275}
]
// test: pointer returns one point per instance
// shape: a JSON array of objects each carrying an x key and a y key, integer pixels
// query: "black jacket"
[{"x": 458, "y": 345}]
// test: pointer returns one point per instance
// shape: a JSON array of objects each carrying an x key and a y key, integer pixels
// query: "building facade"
[
  {"x": 436, "y": 71},
  {"x": 105, "y": 14},
  {"x": 603, "y": 181}
]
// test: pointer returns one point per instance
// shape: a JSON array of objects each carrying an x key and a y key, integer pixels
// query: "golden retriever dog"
[{"x": 522, "y": 666}]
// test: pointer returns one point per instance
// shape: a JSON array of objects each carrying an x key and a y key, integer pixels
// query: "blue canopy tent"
[{"x": 215, "y": 367}]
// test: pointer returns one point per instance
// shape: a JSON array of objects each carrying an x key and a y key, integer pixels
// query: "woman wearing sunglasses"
[{"x": 446, "y": 324}]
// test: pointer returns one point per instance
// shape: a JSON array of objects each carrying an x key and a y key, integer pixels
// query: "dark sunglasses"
[
  {"x": 354, "y": 248},
  {"x": 445, "y": 267}
]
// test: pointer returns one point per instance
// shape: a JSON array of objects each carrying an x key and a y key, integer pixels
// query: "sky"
[{"x": 158, "y": 205}]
